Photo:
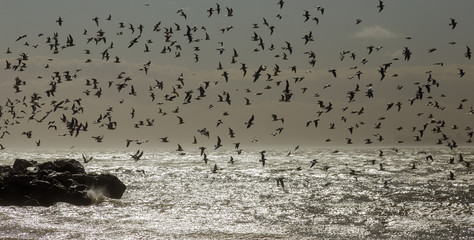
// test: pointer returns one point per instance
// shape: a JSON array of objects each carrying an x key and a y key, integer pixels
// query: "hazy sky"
[{"x": 316, "y": 94}]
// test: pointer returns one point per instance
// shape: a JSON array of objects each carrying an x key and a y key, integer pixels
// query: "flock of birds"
[{"x": 68, "y": 117}]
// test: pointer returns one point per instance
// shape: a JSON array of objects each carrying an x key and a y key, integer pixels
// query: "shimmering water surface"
[{"x": 179, "y": 197}]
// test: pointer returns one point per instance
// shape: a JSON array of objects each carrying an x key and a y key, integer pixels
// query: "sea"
[{"x": 347, "y": 194}]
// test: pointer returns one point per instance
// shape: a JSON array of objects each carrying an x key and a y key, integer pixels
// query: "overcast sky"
[{"x": 423, "y": 27}]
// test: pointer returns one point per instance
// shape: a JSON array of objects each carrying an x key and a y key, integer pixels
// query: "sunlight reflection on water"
[{"x": 179, "y": 197}]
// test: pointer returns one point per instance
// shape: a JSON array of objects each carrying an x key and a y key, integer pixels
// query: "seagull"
[
  {"x": 202, "y": 150},
  {"x": 407, "y": 54},
  {"x": 230, "y": 12},
  {"x": 60, "y": 21},
  {"x": 218, "y": 145},
  {"x": 262, "y": 159},
  {"x": 313, "y": 162},
  {"x": 98, "y": 138},
  {"x": 280, "y": 3},
  {"x": 250, "y": 122},
  {"x": 461, "y": 72},
  {"x": 306, "y": 15},
  {"x": 86, "y": 160},
  {"x": 333, "y": 71},
  {"x": 96, "y": 20},
  {"x": 321, "y": 9},
  {"x": 275, "y": 118},
  {"x": 452, "y": 23},
  {"x": 137, "y": 155},
  {"x": 380, "y": 6}
]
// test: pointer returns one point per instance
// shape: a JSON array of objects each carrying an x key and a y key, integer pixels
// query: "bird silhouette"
[
  {"x": 262, "y": 158},
  {"x": 137, "y": 156}
]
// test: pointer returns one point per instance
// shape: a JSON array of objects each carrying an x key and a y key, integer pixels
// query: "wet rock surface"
[{"x": 29, "y": 183}]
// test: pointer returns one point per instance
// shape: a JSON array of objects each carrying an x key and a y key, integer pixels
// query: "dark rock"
[
  {"x": 46, "y": 166},
  {"x": 69, "y": 165},
  {"x": 111, "y": 185},
  {"x": 86, "y": 179},
  {"x": 79, "y": 198},
  {"x": 40, "y": 184},
  {"x": 63, "y": 165},
  {"x": 28, "y": 183},
  {"x": 20, "y": 165},
  {"x": 5, "y": 170}
]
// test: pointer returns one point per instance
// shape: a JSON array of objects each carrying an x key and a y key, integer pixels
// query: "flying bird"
[
  {"x": 218, "y": 144},
  {"x": 453, "y": 23},
  {"x": 250, "y": 121},
  {"x": 262, "y": 158},
  {"x": 137, "y": 155},
  {"x": 333, "y": 71},
  {"x": 380, "y": 6},
  {"x": 60, "y": 21},
  {"x": 313, "y": 162},
  {"x": 85, "y": 159}
]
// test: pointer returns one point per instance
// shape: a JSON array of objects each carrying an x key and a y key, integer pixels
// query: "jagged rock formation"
[{"x": 29, "y": 183}]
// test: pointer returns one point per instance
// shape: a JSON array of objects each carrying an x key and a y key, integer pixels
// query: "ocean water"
[{"x": 343, "y": 196}]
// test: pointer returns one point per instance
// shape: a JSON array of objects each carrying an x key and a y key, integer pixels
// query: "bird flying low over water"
[
  {"x": 262, "y": 158},
  {"x": 218, "y": 144},
  {"x": 313, "y": 162},
  {"x": 137, "y": 155},
  {"x": 85, "y": 159}
]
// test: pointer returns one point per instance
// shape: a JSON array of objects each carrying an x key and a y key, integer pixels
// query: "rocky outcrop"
[{"x": 31, "y": 183}]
